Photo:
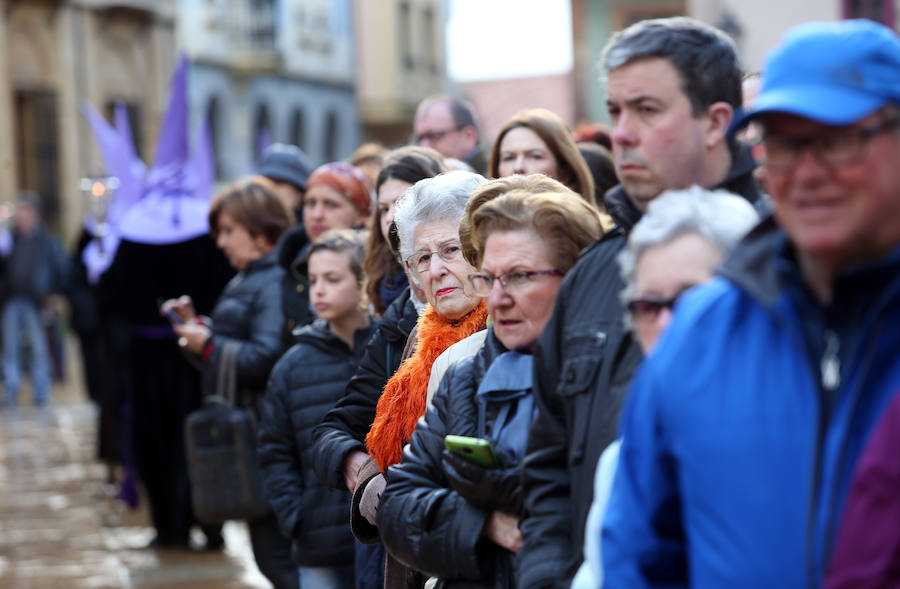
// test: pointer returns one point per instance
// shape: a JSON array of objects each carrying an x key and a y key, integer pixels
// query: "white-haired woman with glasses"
[
  {"x": 427, "y": 219},
  {"x": 675, "y": 246},
  {"x": 440, "y": 513}
]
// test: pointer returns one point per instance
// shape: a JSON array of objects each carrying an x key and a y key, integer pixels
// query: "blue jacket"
[{"x": 743, "y": 426}]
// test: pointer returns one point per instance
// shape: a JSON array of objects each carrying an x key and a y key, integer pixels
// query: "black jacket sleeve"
[
  {"x": 264, "y": 344},
  {"x": 583, "y": 363},
  {"x": 424, "y": 523},
  {"x": 278, "y": 457},
  {"x": 345, "y": 427},
  {"x": 546, "y": 546}
]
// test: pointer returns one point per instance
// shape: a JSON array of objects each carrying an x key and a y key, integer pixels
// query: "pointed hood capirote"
[{"x": 403, "y": 401}]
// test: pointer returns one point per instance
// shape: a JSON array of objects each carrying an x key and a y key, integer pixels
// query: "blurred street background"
[
  {"x": 61, "y": 526},
  {"x": 323, "y": 75}
]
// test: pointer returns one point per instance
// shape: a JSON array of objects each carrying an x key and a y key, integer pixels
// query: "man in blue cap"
[{"x": 743, "y": 427}]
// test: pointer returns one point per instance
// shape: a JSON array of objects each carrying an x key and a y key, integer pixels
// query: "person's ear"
[
  {"x": 262, "y": 243},
  {"x": 470, "y": 134},
  {"x": 718, "y": 120}
]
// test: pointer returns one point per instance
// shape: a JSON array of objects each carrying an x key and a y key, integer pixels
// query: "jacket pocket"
[
  {"x": 584, "y": 355},
  {"x": 585, "y": 351}
]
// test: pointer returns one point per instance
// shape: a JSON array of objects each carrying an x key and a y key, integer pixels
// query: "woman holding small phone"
[
  {"x": 440, "y": 512},
  {"x": 246, "y": 219}
]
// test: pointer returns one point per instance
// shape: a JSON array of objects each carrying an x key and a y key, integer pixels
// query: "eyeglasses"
[
  {"x": 433, "y": 136},
  {"x": 641, "y": 308},
  {"x": 421, "y": 260},
  {"x": 833, "y": 149},
  {"x": 511, "y": 282}
]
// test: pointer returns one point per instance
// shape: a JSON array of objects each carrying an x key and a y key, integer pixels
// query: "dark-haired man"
[
  {"x": 36, "y": 267},
  {"x": 744, "y": 426},
  {"x": 672, "y": 88},
  {"x": 447, "y": 124}
]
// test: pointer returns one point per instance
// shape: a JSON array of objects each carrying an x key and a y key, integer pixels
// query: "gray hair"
[
  {"x": 720, "y": 217},
  {"x": 433, "y": 199},
  {"x": 704, "y": 56}
]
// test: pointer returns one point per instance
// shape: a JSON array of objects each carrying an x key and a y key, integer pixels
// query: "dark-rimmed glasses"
[
  {"x": 835, "y": 148},
  {"x": 433, "y": 136},
  {"x": 650, "y": 307},
  {"x": 511, "y": 282}
]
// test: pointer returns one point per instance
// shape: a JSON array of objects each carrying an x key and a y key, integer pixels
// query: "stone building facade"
[
  {"x": 401, "y": 59},
  {"x": 267, "y": 70},
  {"x": 260, "y": 70},
  {"x": 58, "y": 54}
]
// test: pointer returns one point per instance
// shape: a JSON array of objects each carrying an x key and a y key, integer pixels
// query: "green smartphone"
[{"x": 477, "y": 450}]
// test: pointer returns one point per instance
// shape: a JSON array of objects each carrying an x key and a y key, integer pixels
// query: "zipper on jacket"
[
  {"x": 830, "y": 523},
  {"x": 829, "y": 379},
  {"x": 831, "y": 364}
]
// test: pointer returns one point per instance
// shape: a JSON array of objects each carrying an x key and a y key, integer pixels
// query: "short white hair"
[
  {"x": 722, "y": 218},
  {"x": 433, "y": 199}
]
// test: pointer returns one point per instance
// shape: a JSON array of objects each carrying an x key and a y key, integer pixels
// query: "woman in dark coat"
[
  {"x": 440, "y": 513},
  {"x": 340, "y": 439},
  {"x": 304, "y": 385},
  {"x": 246, "y": 218}
]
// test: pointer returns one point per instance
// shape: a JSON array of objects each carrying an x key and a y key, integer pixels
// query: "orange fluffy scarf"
[{"x": 403, "y": 401}]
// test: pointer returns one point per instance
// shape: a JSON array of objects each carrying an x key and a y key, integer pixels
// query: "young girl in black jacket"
[{"x": 305, "y": 384}]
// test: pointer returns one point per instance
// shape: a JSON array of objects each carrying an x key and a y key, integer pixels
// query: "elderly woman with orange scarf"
[{"x": 427, "y": 217}]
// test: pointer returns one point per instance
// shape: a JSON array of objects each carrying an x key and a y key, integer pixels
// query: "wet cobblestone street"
[{"x": 61, "y": 527}]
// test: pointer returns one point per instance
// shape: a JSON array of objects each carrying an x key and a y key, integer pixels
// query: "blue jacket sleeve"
[{"x": 643, "y": 543}]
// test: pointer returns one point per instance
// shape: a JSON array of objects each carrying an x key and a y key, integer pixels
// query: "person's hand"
[
  {"x": 352, "y": 462},
  {"x": 503, "y": 530},
  {"x": 192, "y": 336},
  {"x": 368, "y": 503},
  {"x": 489, "y": 488},
  {"x": 183, "y": 306}
]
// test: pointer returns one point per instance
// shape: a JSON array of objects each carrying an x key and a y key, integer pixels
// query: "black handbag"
[{"x": 220, "y": 442}]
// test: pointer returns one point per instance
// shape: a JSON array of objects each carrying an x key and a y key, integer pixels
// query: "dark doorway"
[{"x": 37, "y": 150}]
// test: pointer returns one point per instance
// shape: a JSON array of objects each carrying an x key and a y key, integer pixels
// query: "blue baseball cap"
[{"x": 835, "y": 73}]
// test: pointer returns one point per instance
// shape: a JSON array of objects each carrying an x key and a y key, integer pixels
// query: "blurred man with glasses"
[
  {"x": 744, "y": 426},
  {"x": 447, "y": 124}
]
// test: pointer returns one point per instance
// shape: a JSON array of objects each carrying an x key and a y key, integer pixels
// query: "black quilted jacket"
[{"x": 305, "y": 384}]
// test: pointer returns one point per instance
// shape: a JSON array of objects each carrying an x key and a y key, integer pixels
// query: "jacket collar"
[
  {"x": 265, "y": 261},
  {"x": 290, "y": 247},
  {"x": 764, "y": 262},
  {"x": 621, "y": 208},
  {"x": 739, "y": 180},
  {"x": 317, "y": 334},
  {"x": 489, "y": 352}
]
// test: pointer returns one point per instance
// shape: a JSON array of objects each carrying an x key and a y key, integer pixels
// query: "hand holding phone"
[
  {"x": 173, "y": 317},
  {"x": 477, "y": 450},
  {"x": 178, "y": 311},
  {"x": 492, "y": 487}
]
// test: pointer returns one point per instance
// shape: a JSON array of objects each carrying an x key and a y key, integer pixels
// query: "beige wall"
[
  {"x": 497, "y": 100},
  {"x": 389, "y": 86},
  {"x": 81, "y": 51},
  {"x": 763, "y": 23}
]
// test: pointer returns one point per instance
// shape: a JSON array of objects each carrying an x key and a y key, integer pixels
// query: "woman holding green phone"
[{"x": 440, "y": 512}]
